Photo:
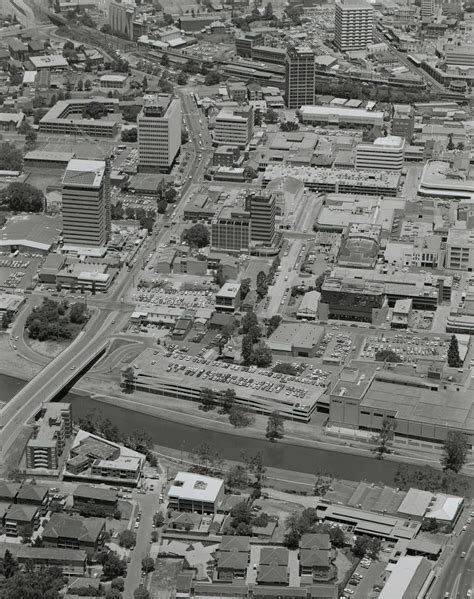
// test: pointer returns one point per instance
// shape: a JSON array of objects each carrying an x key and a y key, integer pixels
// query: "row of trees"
[
  {"x": 139, "y": 440},
  {"x": 19, "y": 197}
]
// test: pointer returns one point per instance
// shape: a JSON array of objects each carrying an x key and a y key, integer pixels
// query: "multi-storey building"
[
  {"x": 245, "y": 42},
  {"x": 159, "y": 133},
  {"x": 234, "y": 126},
  {"x": 47, "y": 443},
  {"x": 121, "y": 17},
  {"x": 460, "y": 250},
  {"x": 354, "y": 23},
  {"x": 427, "y": 8},
  {"x": 299, "y": 76},
  {"x": 230, "y": 230},
  {"x": 403, "y": 121},
  {"x": 86, "y": 204},
  {"x": 262, "y": 209},
  {"x": 384, "y": 153}
]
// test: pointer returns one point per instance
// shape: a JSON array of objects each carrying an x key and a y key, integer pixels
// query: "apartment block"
[
  {"x": 159, "y": 133},
  {"x": 384, "y": 153},
  {"x": 460, "y": 250},
  {"x": 86, "y": 204},
  {"x": 354, "y": 23},
  {"x": 230, "y": 231},
  {"x": 234, "y": 126},
  {"x": 299, "y": 76},
  {"x": 46, "y": 446}
]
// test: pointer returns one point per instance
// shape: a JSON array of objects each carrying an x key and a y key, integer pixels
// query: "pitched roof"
[
  {"x": 21, "y": 513},
  {"x": 9, "y": 490},
  {"x": 86, "y": 530},
  {"x": 31, "y": 493},
  {"x": 272, "y": 574},
  {"x": 274, "y": 556},
  {"x": 315, "y": 541},
  {"x": 89, "y": 492}
]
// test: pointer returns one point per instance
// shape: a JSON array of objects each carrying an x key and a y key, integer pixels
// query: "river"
[{"x": 167, "y": 433}]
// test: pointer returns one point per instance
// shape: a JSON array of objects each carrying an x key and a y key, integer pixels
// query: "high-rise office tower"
[
  {"x": 354, "y": 24},
  {"x": 159, "y": 133},
  {"x": 262, "y": 209},
  {"x": 86, "y": 203},
  {"x": 427, "y": 8},
  {"x": 299, "y": 76}
]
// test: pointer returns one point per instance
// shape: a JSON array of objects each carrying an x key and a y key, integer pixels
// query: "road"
[
  {"x": 456, "y": 577},
  {"x": 51, "y": 379},
  {"x": 148, "y": 504}
]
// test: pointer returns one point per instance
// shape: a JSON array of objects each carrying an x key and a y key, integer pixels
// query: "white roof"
[
  {"x": 339, "y": 110},
  {"x": 188, "y": 485},
  {"x": 400, "y": 578},
  {"x": 118, "y": 78},
  {"x": 29, "y": 76},
  {"x": 444, "y": 508},
  {"x": 51, "y": 61}
]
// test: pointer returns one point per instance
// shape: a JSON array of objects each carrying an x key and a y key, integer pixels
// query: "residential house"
[
  {"x": 22, "y": 520},
  {"x": 273, "y": 567},
  {"x": 233, "y": 558},
  {"x": 71, "y": 562},
  {"x": 315, "y": 556},
  {"x": 96, "y": 497}
]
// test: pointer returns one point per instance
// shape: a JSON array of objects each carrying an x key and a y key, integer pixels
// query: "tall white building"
[
  {"x": 159, "y": 133},
  {"x": 234, "y": 126},
  {"x": 354, "y": 24},
  {"x": 427, "y": 8},
  {"x": 86, "y": 204},
  {"x": 385, "y": 153}
]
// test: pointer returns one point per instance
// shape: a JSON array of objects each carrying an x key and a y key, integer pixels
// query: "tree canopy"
[
  {"x": 197, "y": 235},
  {"x": 455, "y": 450},
  {"x": 22, "y": 197}
]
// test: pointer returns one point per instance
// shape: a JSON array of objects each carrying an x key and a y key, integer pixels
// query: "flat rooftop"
[
  {"x": 197, "y": 487},
  {"x": 34, "y": 230},
  {"x": 87, "y": 173}
]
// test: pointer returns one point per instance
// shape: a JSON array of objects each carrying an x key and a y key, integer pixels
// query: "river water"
[{"x": 180, "y": 436}]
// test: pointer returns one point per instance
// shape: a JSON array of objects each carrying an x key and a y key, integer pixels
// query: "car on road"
[
  {"x": 73, "y": 368},
  {"x": 137, "y": 524},
  {"x": 463, "y": 554}
]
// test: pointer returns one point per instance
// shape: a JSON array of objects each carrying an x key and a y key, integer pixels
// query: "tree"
[
  {"x": 129, "y": 380},
  {"x": 250, "y": 326},
  {"x": 361, "y": 545},
  {"x": 244, "y": 287},
  {"x": 130, "y": 135},
  {"x": 460, "y": 146},
  {"x": 319, "y": 281},
  {"x": 274, "y": 427},
  {"x": 387, "y": 355},
  {"x": 80, "y": 85},
  {"x": 206, "y": 399},
  {"x": 227, "y": 400},
  {"x": 268, "y": 13},
  {"x": 145, "y": 83},
  {"x": 384, "y": 436},
  {"x": 285, "y": 368},
  {"x": 262, "y": 355},
  {"x": 454, "y": 360},
  {"x": 272, "y": 326},
  {"x": 212, "y": 78},
  {"x": 184, "y": 137},
  {"x": 182, "y": 78},
  {"x": 247, "y": 350},
  {"x": 6, "y": 320},
  {"x": 262, "y": 285},
  {"x": 113, "y": 594},
  {"x": 148, "y": 565},
  {"x": 450, "y": 145},
  {"x": 289, "y": 126},
  {"x": 11, "y": 158},
  {"x": 78, "y": 313},
  {"x": 127, "y": 539},
  {"x": 9, "y": 565},
  {"x": 271, "y": 116},
  {"x": 237, "y": 477},
  {"x": 208, "y": 460},
  {"x": 165, "y": 61},
  {"x": 94, "y": 110},
  {"x": 161, "y": 206},
  {"x": 239, "y": 418},
  {"x": 113, "y": 566},
  {"x": 455, "y": 450},
  {"x": 250, "y": 173},
  {"x": 141, "y": 593},
  {"x": 197, "y": 236},
  {"x": 87, "y": 85},
  {"x": 158, "y": 519},
  {"x": 337, "y": 537}
]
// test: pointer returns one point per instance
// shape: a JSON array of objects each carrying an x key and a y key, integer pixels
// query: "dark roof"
[
  {"x": 272, "y": 574},
  {"x": 9, "y": 490},
  {"x": 222, "y": 319},
  {"x": 233, "y": 543},
  {"x": 274, "y": 556},
  {"x": 89, "y": 492},
  {"x": 21, "y": 513},
  {"x": 73, "y": 555},
  {"x": 86, "y": 530},
  {"x": 313, "y": 558},
  {"x": 315, "y": 541},
  {"x": 32, "y": 493}
]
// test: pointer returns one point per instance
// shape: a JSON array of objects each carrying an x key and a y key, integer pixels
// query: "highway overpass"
[{"x": 59, "y": 373}]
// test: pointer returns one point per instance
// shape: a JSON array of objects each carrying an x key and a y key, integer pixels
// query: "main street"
[{"x": 108, "y": 308}]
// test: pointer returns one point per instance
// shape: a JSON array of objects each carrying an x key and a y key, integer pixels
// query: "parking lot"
[
  {"x": 18, "y": 272},
  {"x": 409, "y": 347},
  {"x": 172, "y": 296}
]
